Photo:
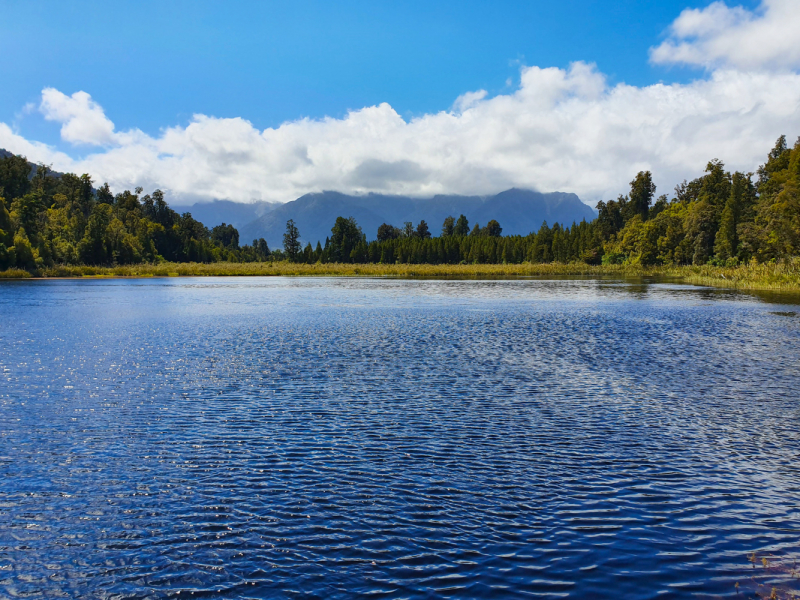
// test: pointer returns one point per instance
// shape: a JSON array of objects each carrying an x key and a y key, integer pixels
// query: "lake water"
[{"x": 338, "y": 438}]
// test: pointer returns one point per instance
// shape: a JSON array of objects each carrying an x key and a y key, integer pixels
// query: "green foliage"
[
  {"x": 345, "y": 241},
  {"x": 291, "y": 241},
  {"x": 225, "y": 236},
  {"x": 14, "y": 171},
  {"x": 93, "y": 248},
  {"x": 461, "y": 227},
  {"x": 388, "y": 232},
  {"x": 25, "y": 254},
  {"x": 493, "y": 229},
  {"x": 6, "y": 227},
  {"x": 63, "y": 220},
  {"x": 449, "y": 227},
  {"x": 721, "y": 219},
  {"x": 609, "y": 217},
  {"x": 422, "y": 231},
  {"x": 642, "y": 191}
]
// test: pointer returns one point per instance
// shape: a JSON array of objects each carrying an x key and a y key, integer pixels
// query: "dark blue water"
[{"x": 332, "y": 438}]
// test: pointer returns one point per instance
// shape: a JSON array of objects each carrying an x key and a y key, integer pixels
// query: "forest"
[{"x": 720, "y": 218}]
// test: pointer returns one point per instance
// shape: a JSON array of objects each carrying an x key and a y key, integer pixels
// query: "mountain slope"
[
  {"x": 237, "y": 214},
  {"x": 518, "y": 211}
]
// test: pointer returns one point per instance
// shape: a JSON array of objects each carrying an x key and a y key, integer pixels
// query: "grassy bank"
[{"x": 778, "y": 277}]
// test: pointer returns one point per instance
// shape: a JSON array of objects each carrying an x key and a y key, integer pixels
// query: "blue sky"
[
  {"x": 151, "y": 64},
  {"x": 265, "y": 100}
]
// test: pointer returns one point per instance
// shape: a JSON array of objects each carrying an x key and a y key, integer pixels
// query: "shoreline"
[{"x": 767, "y": 277}]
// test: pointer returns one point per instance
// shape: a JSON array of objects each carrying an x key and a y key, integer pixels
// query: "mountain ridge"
[
  {"x": 518, "y": 211},
  {"x": 233, "y": 213}
]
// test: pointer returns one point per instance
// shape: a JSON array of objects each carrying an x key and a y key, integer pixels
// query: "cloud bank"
[
  {"x": 561, "y": 129},
  {"x": 720, "y": 36}
]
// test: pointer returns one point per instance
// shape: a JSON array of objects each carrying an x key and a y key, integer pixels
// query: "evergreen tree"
[
  {"x": 726, "y": 244},
  {"x": 493, "y": 229},
  {"x": 345, "y": 236},
  {"x": 642, "y": 192},
  {"x": 291, "y": 241},
  {"x": 388, "y": 232},
  {"x": 462, "y": 226},
  {"x": 422, "y": 230},
  {"x": 448, "y": 227},
  {"x": 609, "y": 218},
  {"x": 225, "y": 236}
]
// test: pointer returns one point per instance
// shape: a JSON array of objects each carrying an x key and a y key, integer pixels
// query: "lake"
[{"x": 340, "y": 438}]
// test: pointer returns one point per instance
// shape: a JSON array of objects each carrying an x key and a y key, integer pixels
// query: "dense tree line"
[
  {"x": 719, "y": 218},
  {"x": 48, "y": 219}
]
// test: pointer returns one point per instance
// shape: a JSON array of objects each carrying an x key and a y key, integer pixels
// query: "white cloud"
[
  {"x": 468, "y": 100},
  {"x": 82, "y": 120},
  {"x": 35, "y": 151},
  {"x": 720, "y": 36},
  {"x": 561, "y": 129}
]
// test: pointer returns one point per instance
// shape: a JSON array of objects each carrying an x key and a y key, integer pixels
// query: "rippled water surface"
[{"x": 334, "y": 438}]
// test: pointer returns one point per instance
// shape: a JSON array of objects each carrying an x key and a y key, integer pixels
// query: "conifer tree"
[
  {"x": 291, "y": 241},
  {"x": 461, "y": 227}
]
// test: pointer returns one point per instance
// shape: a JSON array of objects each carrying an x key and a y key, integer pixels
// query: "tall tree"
[
  {"x": 448, "y": 227},
  {"x": 493, "y": 229},
  {"x": 104, "y": 195},
  {"x": 345, "y": 236},
  {"x": 291, "y": 241},
  {"x": 388, "y": 232},
  {"x": 726, "y": 245},
  {"x": 422, "y": 230},
  {"x": 642, "y": 192},
  {"x": 609, "y": 218},
  {"x": 262, "y": 248},
  {"x": 461, "y": 227}
]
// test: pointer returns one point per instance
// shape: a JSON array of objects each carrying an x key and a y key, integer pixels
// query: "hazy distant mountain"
[
  {"x": 237, "y": 214},
  {"x": 517, "y": 211}
]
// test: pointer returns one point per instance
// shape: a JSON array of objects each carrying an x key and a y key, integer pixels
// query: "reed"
[
  {"x": 777, "y": 578},
  {"x": 782, "y": 276}
]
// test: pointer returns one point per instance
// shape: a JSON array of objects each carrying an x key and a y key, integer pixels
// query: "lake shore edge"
[{"x": 782, "y": 276}]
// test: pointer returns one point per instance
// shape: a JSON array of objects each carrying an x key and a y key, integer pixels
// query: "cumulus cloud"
[
  {"x": 559, "y": 129},
  {"x": 721, "y": 36},
  {"x": 468, "y": 100},
  {"x": 82, "y": 120}
]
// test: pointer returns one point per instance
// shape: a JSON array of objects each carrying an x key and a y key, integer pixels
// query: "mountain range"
[
  {"x": 518, "y": 211},
  {"x": 238, "y": 214}
]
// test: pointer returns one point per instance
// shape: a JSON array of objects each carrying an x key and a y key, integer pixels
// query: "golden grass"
[{"x": 783, "y": 276}]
